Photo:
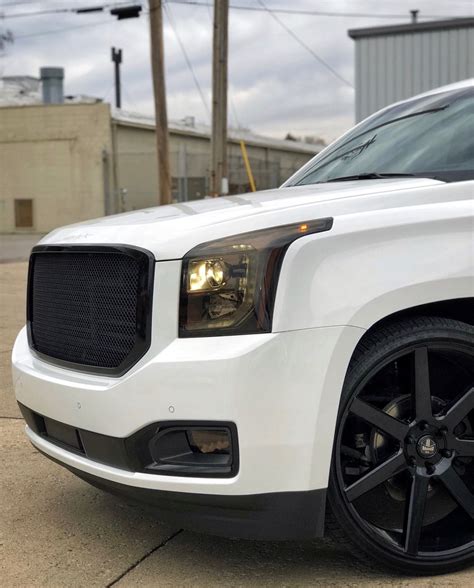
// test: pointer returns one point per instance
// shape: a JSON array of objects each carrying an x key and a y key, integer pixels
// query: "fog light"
[{"x": 193, "y": 450}]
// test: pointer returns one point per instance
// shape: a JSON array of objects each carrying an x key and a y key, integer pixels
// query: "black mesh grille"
[{"x": 89, "y": 308}]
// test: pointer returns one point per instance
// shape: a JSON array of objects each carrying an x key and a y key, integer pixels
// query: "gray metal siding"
[{"x": 395, "y": 67}]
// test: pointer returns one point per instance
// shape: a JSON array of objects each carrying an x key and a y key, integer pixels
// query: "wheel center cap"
[{"x": 427, "y": 447}]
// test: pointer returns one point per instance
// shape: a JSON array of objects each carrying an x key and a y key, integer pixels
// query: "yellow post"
[{"x": 248, "y": 169}]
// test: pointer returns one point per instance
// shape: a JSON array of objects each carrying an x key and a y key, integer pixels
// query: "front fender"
[{"x": 373, "y": 264}]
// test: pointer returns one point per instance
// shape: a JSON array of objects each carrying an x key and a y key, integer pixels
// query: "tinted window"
[{"x": 432, "y": 136}]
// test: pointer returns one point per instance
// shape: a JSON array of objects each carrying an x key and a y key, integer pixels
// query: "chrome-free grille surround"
[{"x": 89, "y": 306}]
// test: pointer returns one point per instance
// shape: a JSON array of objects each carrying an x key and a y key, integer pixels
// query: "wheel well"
[{"x": 461, "y": 309}]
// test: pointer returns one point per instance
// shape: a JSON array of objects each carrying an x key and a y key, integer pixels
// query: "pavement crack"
[
  {"x": 11, "y": 418},
  {"x": 139, "y": 561}
]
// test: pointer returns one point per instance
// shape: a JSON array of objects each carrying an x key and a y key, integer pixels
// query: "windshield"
[{"x": 430, "y": 137}]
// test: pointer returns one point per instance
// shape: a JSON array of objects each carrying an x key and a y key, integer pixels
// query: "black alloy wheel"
[{"x": 402, "y": 479}]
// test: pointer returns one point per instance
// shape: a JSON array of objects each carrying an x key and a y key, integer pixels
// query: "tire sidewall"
[{"x": 373, "y": 352}]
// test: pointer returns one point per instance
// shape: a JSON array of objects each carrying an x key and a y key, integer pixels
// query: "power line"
[
  {"x": 129, "y": 100},
  {"x": 185, "y": 55},
  {"x": 64, "y": 10},
  {"x": 232, "y": 7},
  {"x": 62, "y": 30},
  {"x": 65, "y": 29},
  {"x": 305, "y": 46},
  {"x": 309, "y": 12},
  {"x": 19, "y": 3}
]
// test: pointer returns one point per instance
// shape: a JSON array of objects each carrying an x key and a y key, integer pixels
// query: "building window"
[{"x": 24, "y": 213}]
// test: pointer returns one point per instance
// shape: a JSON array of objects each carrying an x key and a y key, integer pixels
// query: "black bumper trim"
[
  {"x": 131, "y": 453},
  {"x": 270, "y": 517}
]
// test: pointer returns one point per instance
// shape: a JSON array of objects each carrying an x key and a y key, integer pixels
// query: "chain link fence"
[{"x": 190, "y": 176}]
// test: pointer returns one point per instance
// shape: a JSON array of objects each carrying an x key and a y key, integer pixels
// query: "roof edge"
[
  {"x": 418, "y": 27},
  {"x": 233, "y": 135}
]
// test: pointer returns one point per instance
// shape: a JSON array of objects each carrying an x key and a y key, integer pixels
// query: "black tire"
[{"x": 375, "y": 521}]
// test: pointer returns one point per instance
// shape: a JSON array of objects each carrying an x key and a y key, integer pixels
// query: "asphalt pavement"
[{"x": 56, "y": 530}]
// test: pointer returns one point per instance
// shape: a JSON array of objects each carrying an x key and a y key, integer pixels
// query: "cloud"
[{"x": 275, "y": 85}]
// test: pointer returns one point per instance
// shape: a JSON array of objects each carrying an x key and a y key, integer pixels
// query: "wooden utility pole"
[
  {"x": 159, "y": 88},
  {"x": 218, "y": 176}
]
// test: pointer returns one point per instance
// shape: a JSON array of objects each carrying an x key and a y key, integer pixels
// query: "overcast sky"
[{"x": 275, "y": 85}]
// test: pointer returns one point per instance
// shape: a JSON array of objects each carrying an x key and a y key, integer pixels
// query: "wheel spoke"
[
  {"x": 415, "y": 513},
  {"x": 381, "y": 473},
  {"x": 423, "y": 409},
  {"x": 463, "y": 447},
  {"x": 458, "y": 490},
  {"x": 379, "y": 419},
  {"x": 459, "y": 410}
]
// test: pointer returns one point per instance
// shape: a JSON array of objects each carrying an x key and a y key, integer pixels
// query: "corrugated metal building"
[
  {"x": 272, "y": 160},
  {"x": 396, "y": 62}
]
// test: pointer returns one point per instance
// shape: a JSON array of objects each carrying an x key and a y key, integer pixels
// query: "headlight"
[{"x": 229, "y": 285}]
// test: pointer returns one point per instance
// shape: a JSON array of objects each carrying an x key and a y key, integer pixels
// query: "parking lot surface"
[
  {"x": 17, "y": 247},
  {"x": 55, "y": 530}
]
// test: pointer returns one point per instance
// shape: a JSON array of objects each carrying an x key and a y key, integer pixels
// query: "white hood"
[{"x": 169, "y": 232}]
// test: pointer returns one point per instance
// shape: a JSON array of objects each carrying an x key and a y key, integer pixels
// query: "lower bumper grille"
[{"x": 153, "y": 449}]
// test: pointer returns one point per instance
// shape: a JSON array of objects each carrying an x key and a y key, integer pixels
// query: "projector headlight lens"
[
  {"x": 206, "y": 275},
  {"x": 229, "y": 285}
]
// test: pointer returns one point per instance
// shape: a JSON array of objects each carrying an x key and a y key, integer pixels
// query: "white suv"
[{"x": 281, "y": 364}]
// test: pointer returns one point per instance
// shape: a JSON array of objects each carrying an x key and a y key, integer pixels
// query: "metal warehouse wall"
[
  {"x": 395, "y": 63},
  {"x": 135, "y": 165}
]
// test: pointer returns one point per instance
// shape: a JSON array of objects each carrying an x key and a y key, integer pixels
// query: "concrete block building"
[{"x": 78, "y": 159}]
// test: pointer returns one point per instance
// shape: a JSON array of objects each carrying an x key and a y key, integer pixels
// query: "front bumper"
[
  {"x": 281, "y": 390},
  {"x": 270, "y": 517}
]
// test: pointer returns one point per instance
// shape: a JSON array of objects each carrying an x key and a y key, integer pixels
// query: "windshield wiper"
[{"x": 369, "y": 176}]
